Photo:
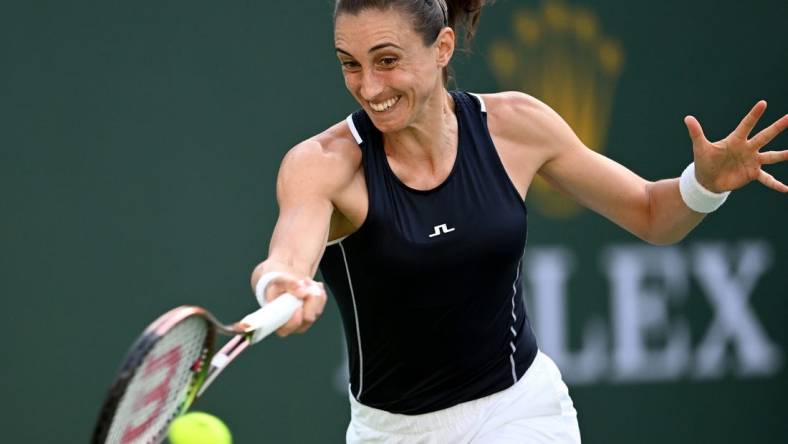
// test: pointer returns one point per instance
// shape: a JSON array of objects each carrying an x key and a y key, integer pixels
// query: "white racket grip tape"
[{"x": 275, "y": 314}]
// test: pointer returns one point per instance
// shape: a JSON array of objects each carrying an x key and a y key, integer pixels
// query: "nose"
[{"x": 371, "y": 85}]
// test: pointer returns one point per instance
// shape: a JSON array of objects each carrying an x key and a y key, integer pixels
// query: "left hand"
[{"x": 736, "y": 160}]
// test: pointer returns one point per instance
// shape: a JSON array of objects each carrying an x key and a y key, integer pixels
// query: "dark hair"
[{"x": 429, "y": 16}]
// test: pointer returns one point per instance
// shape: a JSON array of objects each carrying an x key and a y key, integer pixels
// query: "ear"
[{"x": 445, "y": 46}]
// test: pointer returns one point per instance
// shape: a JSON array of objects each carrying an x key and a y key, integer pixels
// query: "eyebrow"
[{"x": 372, "y": 49}]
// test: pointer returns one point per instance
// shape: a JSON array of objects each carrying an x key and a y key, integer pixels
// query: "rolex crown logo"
[{"x": 559, "y": 55}]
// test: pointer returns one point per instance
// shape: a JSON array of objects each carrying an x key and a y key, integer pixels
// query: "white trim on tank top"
[
  {"x": 481, "y": 102},
  {"x": 514, "y": 319},
  {"x": 353, "y": 129},
  {"x": 358, "y": 330},
  {"x": 336, "y": 241}
]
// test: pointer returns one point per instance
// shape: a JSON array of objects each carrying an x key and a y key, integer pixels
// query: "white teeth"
[{"x": 384, "y": 106}]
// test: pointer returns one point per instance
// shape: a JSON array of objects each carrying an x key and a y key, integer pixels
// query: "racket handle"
[{"x": 268, "y": 319}]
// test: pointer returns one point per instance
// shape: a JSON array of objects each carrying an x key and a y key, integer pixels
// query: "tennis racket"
[{"x": 172, "y": 363}]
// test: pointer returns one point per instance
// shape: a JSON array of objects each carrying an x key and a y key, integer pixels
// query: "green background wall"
[{"x": 138, "y": 150}]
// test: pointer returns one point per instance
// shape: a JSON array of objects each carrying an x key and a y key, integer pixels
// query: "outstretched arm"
[
  {"x": 308, "y": 179},
  {"x": 653, "y": 211}
]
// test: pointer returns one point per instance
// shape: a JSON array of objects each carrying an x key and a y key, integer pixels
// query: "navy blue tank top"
[{"x": 429, "y": 286}]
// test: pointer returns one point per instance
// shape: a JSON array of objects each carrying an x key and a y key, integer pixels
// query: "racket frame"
[
  {"x": 250, "y": 330},
  {"x": 140, "y": 350}
]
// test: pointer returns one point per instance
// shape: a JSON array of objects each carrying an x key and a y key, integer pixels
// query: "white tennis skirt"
[{"x": 537, "y": 409}]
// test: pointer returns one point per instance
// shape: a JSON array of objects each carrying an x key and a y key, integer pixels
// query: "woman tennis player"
[{"x": 413, "y": 208}]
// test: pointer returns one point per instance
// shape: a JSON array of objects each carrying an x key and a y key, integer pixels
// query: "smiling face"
[{"x": 388, "y": 68}]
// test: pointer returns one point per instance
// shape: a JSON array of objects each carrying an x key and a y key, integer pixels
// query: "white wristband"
[
  {"x": 696, "y": 196},
  {"x": 262, "y": 285}
]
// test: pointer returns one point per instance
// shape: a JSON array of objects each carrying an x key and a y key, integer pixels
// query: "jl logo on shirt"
[{"x": 441, "y": 229}]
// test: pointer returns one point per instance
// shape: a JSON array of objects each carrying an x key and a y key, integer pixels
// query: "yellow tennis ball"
[{"x": 199, "y": 428}]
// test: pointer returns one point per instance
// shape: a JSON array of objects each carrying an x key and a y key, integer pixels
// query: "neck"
[{"x": 430, "y": 141}]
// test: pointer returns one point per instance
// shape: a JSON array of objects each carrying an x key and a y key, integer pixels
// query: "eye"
[
  {"x": 388, "y": 61},
  {"x": 350, "y": 65}
]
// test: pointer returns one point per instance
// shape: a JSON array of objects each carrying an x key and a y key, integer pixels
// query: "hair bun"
[{"x": 465, "y": 14}]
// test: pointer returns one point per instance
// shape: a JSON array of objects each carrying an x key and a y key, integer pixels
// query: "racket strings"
[{"x": 162, "y": 382}]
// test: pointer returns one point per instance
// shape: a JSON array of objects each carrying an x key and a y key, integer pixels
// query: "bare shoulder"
[
  {"x": 326, "y": 161},
  {"x": 521, "y": 117},
  {"x": 512, "y": 101},
  {"x": 529, "y": 126}
]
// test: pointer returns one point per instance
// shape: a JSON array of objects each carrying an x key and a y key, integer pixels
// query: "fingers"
[
  {"x": 750, "y": 120},
  {"x": 767, "y": 134},
  {"x": 695, "y": 130},
  {"x": 313, "y": 305},
  {"x": 313, "y": 295},
  {"x": 772, "y": 157},
  {"x": 769, "y": 181}
]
